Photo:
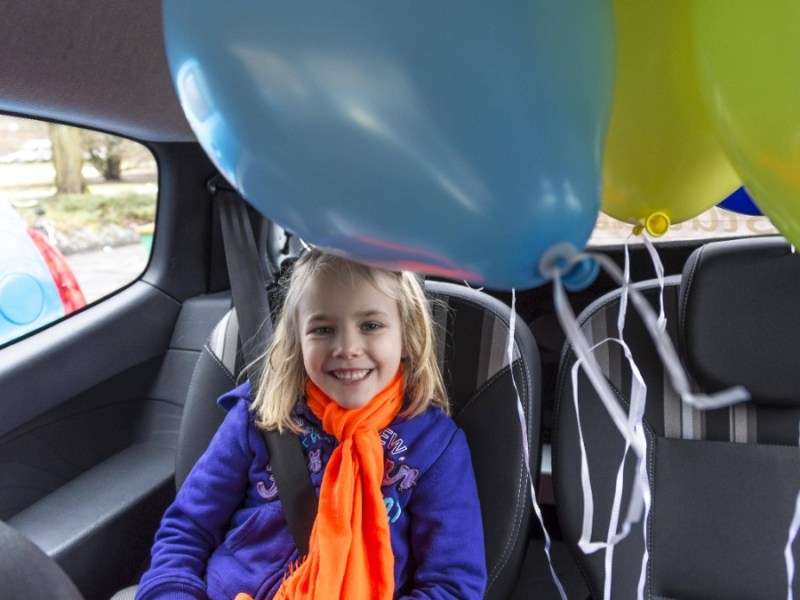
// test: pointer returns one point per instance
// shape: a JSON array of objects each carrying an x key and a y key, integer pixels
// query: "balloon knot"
[{"x": 576, "y": 271}]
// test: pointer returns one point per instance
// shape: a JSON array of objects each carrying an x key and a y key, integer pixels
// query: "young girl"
[{"x": 353, "y": 372}]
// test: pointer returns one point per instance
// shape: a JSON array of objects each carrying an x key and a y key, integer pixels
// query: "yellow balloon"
[
  {"x": 748, "y": 63},
  {"x": 663, "y": 163}
]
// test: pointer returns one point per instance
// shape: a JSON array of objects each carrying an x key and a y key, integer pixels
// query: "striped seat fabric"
[
  {"x": 472, "y": 341},
  {"x": 723, "y": 482}
]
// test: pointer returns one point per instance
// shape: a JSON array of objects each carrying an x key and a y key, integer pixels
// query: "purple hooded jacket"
[{"x": 225, "y": 532}]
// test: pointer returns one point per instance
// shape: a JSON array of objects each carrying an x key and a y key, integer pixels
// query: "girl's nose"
[{"x": 347, "y": 344}]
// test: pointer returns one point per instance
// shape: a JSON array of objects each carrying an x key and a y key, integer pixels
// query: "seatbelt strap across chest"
[{"x": 251, "y": 300}]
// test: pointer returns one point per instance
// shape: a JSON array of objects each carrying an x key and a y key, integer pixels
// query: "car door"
[{"x": 90, "y": 406}]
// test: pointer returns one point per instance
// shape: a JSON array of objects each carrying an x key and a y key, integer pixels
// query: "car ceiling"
[{"x": 93, "y": 63}]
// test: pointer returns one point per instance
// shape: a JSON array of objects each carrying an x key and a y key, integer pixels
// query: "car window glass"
[
  {"x": 714, "y": 223},
  {"x": 77, "y": 211}
]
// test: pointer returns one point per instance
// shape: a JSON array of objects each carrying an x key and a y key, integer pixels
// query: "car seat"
[
  {"x": 472, "y": 348},
  {"x": 723, "y": 482}
]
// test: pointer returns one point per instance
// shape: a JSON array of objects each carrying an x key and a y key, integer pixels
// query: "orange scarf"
[{"x": 350, "y": 553}]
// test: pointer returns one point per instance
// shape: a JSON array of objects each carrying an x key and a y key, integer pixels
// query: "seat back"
[
  {"x": 723, "y": 482},
  {"x": 472, "y": 346}
]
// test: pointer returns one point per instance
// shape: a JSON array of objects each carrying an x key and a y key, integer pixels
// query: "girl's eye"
[
  {"x": 371, "y": 326},
  {"x": 324, "y": 330}
]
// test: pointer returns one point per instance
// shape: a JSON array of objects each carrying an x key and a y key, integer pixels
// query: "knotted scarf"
[{"x": 350, "y": 553}]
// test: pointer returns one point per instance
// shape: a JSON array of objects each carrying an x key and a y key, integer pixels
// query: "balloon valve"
[
  {"x": 657, "y": 223},
  {"x": 576, "y": 270}
]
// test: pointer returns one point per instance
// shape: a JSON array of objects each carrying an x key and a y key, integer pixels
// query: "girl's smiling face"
[{"x": 350, "y": 336}]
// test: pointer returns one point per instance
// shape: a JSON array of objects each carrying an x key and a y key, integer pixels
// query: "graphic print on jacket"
[{"x": 313, "y": 441}]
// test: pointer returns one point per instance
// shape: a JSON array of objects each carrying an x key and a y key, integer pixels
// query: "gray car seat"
[{"x": 723, "y": 482}]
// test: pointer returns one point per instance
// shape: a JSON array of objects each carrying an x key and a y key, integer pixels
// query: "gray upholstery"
[
  {"x": 27, "y": 572},
  {"x": 723, "y": 482},
  {"x": 740, "y": 318},
  {"x": 213, "y": 376},
  {"x": 472, "y": 343}
]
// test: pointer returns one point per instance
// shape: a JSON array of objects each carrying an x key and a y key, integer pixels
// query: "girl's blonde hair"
[{"x": 283, "y": 378}]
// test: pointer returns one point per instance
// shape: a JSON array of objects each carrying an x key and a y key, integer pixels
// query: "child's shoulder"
[
  {"x": 237, "y": 404},
  {"x": 230, "y": 399}
]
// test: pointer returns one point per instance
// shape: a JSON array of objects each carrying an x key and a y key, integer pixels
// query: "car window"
[
  {"x": 77, "y": 211},
  {"x": 714, "y": 223}
]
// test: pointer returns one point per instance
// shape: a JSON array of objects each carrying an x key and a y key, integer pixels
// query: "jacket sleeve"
[
  {"x": 196, "y": 522},
  {"x": 446, "y": 529}
]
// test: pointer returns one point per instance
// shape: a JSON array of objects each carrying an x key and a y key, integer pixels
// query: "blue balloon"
[
  {"x": 740, "y": 201},
  {"x": 462, "y": 139}
]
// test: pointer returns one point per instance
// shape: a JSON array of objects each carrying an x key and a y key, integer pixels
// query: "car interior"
[{"x": 104, "y": 412}]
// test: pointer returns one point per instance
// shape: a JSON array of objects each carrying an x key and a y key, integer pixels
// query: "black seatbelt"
[{"x": 251, "y": 300}]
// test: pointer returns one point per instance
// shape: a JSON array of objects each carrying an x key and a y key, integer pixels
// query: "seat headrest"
[{"x": 739, "y": 317}]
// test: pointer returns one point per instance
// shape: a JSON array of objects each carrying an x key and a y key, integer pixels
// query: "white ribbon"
[
  {"x": 659, "y": 267},
  {"x": 635, "y": 440},
  {"x": 630, "y": 426},
  {"x": 787, "y": 551},
  {"x": 624, "y": 424},
  {"x": 525, "y": 448}
]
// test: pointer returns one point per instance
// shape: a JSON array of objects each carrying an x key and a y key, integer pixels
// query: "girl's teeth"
[{"x": 351, "y": 375}]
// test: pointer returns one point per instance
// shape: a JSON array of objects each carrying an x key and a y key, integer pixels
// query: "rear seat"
[{"x": 724, "y": 481}]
